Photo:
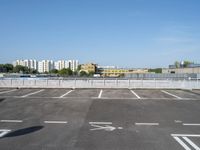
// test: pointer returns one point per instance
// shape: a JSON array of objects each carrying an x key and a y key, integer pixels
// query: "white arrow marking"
[
  {"x": 3, "y": 132},
  {"x": 106, "y": 127}
]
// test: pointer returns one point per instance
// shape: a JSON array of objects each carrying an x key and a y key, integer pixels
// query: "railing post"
[
  {"x": 129, "y": 83},
  {"x": 59, "y": 82},
  {"x": 35, "y": 82},
  {"x": 104, "y": 82},
  {"x": 23, "y": 82},
  {"x": 75, "y": 83},
  {"x": 11, "y": 82}
]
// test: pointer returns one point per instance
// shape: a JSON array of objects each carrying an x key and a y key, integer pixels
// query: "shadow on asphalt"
[
  {"x": 24, "y": 131},
  {"x": 2, "y": 99}
]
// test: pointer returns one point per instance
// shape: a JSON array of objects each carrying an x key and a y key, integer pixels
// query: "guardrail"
[{"x": 100, "y": 83}]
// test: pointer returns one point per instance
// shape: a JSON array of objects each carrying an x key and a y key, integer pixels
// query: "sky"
[{"x": 123, "y": 33}]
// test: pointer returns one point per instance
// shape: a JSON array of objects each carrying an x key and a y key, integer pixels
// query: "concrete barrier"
[{"x": 100, "y": 83}]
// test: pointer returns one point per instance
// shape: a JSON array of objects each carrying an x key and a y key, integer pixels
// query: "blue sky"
[{"x": 125, "y": 33}]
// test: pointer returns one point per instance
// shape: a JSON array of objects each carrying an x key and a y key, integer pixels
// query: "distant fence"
[{"x": 100, "y": 83}]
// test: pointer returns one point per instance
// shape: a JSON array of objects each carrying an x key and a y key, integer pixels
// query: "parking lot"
[{"x": 100, "y": 119}]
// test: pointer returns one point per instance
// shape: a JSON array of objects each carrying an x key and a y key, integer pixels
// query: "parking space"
[
  {"x": 84, "y": 93},
  {"x": 1, "y": 90},
  {"x": 142, "y": 94},
  {"x": 19, "y": 92},
  {"x": 196, "y": 92},
  {"x": 117, "y": 93},
  {"x": 50, "y": 93},
  {"x": 184, "y": 94},
  {"x": 153, "y": 94}
]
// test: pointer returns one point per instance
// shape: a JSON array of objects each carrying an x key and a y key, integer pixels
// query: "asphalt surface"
[{"x": 99, "y": 119}]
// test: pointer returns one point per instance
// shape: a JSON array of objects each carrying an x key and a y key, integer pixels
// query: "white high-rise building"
[
  {"x": 32, "y": 64},
  {"x": 60, "y": 64},
  {"x": 45, "y": 66},
  {"x": 18, "y": 62},
  {"x": 74, "y": 65}
]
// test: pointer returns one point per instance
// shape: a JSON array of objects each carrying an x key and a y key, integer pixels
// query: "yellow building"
[
  {"x": 111, "y": 72},
  {"x": 90, "y": 67}
]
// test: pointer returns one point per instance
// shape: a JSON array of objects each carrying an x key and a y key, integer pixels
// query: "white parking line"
[
  {"x": 56, "y": 122},
  {"x": 191, "y": 143},
  {"x": 147, "y": 124},
  {"x": 8, "y": 91},
  {"x": 100, "y": 123},
  {"x": 12, "y": 121},
  {"x": 171, "y": 94},
  {"x": 100, "y": 94},
  {"x": 32, "y": 93},
  {"x": 187, "y": 135},
  {"x": 181, "y": 143},
  {"x": 66, "y": 93},
  {"x": 191, "y": 124},
  {"x": 135, "y": 94}
]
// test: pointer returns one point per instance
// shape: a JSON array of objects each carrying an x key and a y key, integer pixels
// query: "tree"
[
  {"x": 19, "y": 69},
  {"x": 156, "y": 70},
  {"x": 6, "y": 68},
  {"x": 65, "y": 72},
  {"x": 177, "y": 64},
  {"x": 54, "y": 71},
  {"x": 33, "y": 71},
  {"x": 187, "y": 63},
  {"x": 79, "y": 68},
  {"x": 83, "y": 74},
  {"x": 91, "y": 73}
]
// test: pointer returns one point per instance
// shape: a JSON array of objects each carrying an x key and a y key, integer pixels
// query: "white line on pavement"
[
  {"x": 8, "y": 91},
  {"x": 100, "y": 122},
  {"x": 100, "y": 94},
  {"x": 191, "y": 143},
  {"x": 33, "y": 93},
  {"x": 191, "y": 124},
  {"x": 146, "y": 124},
  {"x": 54, "y": 122},
  {"x": 12, "y": 121},
  {"x": 171, "y": 94},
  {"x": 135, "y": 94},
  {"x": 66, "y": 93},
  {"x": 181, "y": 143},
  {"x": 187, "y": 135},
  {"x": 3, "y": 132}
]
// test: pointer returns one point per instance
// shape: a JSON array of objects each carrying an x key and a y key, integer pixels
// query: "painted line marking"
[
  {"x": 181, "y": 143},
  {"x": 100, "y": 123},
  {"x": 135, "y": 94},
  {"x": 186, "y": 135},
  {"x": 33, "y": 93},
  {"x": 3, "y": 132},
  {"x": 147, "y": 124},
  {"x": 66, "y": 93},
  {"x": 56, "y": 122},
  {"x": 191, "y": 143},
  {"x": 100, "y": 94},
  {"x": 171, "y": 94},
  {"x": 8, "y": 91},
  {"x": 11, "y": 121},
  {"x": 191, "y": 124}
]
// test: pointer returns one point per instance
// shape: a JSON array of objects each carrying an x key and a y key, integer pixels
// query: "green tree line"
[{"x": 9, "y": 68}]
